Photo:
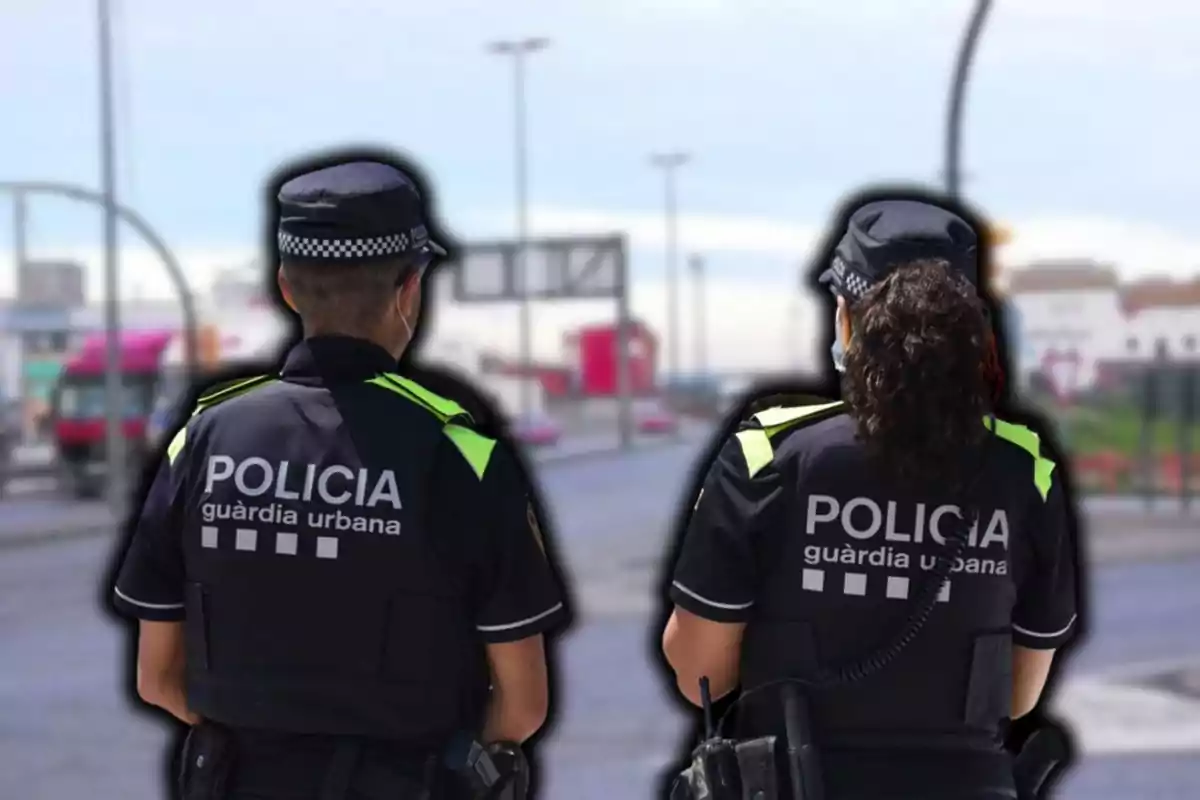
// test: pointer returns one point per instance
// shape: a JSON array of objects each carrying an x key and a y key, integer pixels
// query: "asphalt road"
[{"x": 67, "y": 730}]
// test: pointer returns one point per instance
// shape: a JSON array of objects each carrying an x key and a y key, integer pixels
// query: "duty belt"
[{"x": 497, "y": 772}]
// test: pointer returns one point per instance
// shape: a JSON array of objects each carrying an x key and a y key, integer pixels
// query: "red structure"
[
  {"x": 594, "y": 349},
  {"x": 556, "y": 380},
  {"x": 591, "y": 364}
]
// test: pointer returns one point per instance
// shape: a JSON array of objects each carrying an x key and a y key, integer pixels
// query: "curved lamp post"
[
  {"x": 958, "y": 89},
  {"x": 139, "y": 224},
  {"x": 70, "y": 191}
]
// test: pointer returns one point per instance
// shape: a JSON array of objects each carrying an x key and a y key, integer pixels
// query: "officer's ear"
[
  {"x": 410, "y": 293},
  {"x": 285, "y": 289},
  {"x": 843, "y": 315}
]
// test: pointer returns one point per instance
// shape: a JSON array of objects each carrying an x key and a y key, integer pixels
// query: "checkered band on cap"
[
  {"x": 849, "y": 281},
  {"x": 343, "y": 249}
]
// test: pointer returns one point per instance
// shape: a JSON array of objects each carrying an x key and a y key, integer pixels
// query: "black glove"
[
  {"x": 513, "y": 768},
  {"x": 1042, "y": 753}
]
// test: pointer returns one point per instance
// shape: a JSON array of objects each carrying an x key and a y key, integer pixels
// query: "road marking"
[
  {"x": 1108, "y": 714},
  {"x": 23, "y": 486},
  {"x": 1110, "y": 718}
]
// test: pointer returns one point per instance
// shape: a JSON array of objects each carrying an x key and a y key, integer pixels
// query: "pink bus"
[{"x": 80, "y": 402}]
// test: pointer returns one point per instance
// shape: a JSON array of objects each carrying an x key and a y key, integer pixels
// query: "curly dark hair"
[{"x": 915, "y": 378}]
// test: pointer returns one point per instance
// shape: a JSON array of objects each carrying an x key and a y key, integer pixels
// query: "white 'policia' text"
[
  {"x": 256, "y": 480},
  {"x": 255, "y": 477}
]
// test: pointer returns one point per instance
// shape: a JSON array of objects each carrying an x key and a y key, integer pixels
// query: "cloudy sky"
[{"x": 1079, "y": 132}]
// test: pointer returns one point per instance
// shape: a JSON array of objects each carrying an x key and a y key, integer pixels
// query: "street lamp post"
[
  {"x": 518, "y": 50},
  {"x": 670, "y": 162},
  {"x": 958, "y": 89},
  {"x": 114, "y": 412},
  {"x": 21, "y": 189},
  {"x": 698, "y": 275}
]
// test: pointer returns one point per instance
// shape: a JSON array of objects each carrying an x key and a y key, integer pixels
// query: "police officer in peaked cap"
[
  {"x": 885, "y": 577},
  {"x": 340, "y": 582}
]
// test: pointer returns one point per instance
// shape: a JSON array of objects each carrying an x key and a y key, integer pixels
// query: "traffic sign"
[{"x": 561, "y": 268}]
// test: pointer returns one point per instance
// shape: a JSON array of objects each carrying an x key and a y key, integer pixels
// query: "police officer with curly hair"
[
  {"x": 886, "y": 577},
  {"x": 340, "y": 582}
]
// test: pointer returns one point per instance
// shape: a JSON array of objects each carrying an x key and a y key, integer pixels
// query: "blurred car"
[
  {"x": 10, "y": 437},
  {"x": 164, "y": 418},
  {"x": 654, "y": 418},
  {"x": 536, "y": 430}
]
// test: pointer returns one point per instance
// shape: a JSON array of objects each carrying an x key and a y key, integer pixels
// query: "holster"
[
  {"x": 498, "y": 771},
  {"x": 1041, "y": 754},
  {"x": 513, "y": 769},
  {"x": 714, "y": 774},
  {"x": 723, "y": 769},
  {"x": 804, "y": 765},
  {"x": 206, "y": 763},
  {"x": 759, "y": 768}
]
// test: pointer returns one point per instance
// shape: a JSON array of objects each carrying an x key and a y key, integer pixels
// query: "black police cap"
[
  {"x": 884, "y": 234},
  {"x": 356, "y": 212}
]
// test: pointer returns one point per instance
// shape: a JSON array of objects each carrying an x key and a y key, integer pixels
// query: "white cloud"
[
  {"x": 751, "y": 324},
  {"x": 715, "y": 232},
  {"x": 1136, "y": 250},
  {"x": 141, "y": 271}
]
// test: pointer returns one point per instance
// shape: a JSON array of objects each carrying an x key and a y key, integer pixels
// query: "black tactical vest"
[
  {"x": 315, "y": 603},
  {"x": 949, "y": 688}
]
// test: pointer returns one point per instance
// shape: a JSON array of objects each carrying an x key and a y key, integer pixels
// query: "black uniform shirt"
[
  {"x": 484, "y": 528},
  {"x": 819, "y": 479}
]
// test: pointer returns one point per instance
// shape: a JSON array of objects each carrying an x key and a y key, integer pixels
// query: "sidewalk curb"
[
  {"x": 608, "y": 453},
  {"x": 35, "y": 536}
]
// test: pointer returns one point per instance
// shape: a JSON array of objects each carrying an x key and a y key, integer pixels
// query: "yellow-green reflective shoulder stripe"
[
  {"x": 476, "y": 448},
  {"x": 756, "y": 447},
  {"x": 176, "y": 445},
  {"x": 384, "y": 383},
  {"x": 777, "y": 418},
  {"x": 756, "y": 443},
  {"x": 1027, "y": 440},
  {"x": 208, "y": 401},
  {"x": 442, "y": 405},
  {"x": 229, "y": 392}
]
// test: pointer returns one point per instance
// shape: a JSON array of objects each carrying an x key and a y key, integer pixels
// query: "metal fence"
[{"x": 1132, "y": 432}]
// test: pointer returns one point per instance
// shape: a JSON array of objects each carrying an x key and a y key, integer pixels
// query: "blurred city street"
[
  {"x": 633, "y": 216},
  {"x": 68, "y": 730}
]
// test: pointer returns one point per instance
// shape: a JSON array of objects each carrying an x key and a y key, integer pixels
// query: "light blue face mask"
[{"x": 837, "y": 351}]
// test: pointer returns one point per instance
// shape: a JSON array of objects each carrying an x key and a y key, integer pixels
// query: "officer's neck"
[{"x": 396, "y": 349}]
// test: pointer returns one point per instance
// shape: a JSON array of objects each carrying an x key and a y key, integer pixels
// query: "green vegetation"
[
  {"x": 1084, "y": 431},
  {"x": 1114, "y": 428}
]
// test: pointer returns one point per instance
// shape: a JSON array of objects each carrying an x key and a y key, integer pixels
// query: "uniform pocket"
[
  {"x": 989, "y": 687},
  {"x": 196, "y": 608}
]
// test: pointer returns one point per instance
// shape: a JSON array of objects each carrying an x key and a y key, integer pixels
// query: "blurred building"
[
  {"x": 239, "y": 287},
  {"x": 38, "y": 325},
  {"x": 48, "y": 319},
  {"x": 1080, "y": 324},
  {"x": 1163, "y": 318}
]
